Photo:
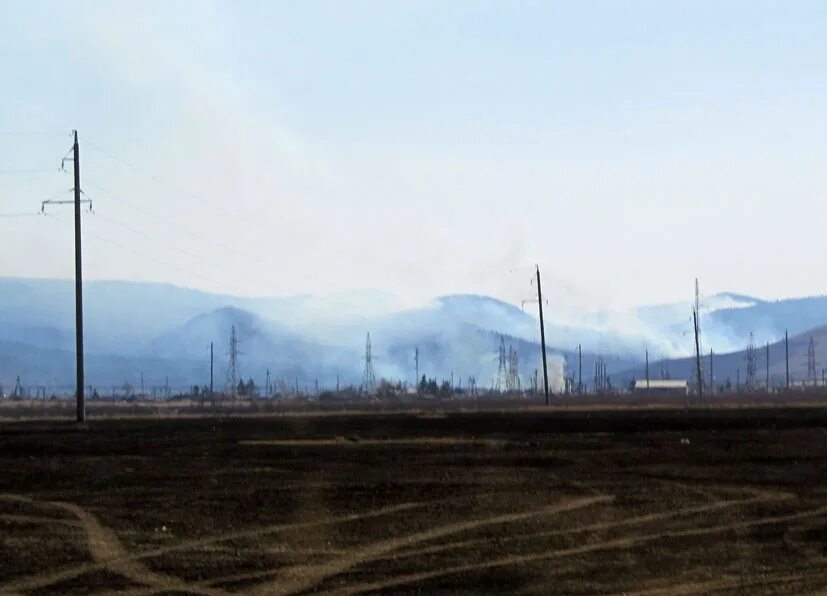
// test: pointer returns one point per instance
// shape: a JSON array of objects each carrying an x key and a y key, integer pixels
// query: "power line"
[
  {"x": 30, "y": 171},
  {"x": 150, "y": 238},
  {"x": 172, "y": 224},
  {"x": 142, "y": 255},
  {"x": 245, "y": 256},
  {"x": 160, "y": 181}
]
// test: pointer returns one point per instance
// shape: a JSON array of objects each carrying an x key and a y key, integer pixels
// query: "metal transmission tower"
[
  {"x": 233, "y": 369},
  {"x": 368, "y": 376},
  {"x": 18, "y": 392},
  {"x": 749, "y": 383},
  {"x": 811, "y": 363},
  {"x": 513, "y": 378},
  {"x": 664, "y": 369},
  {"x": 501, "y": 382},
  {"x": 75, "y": 159},
  {"x": 600, "y": 377}
]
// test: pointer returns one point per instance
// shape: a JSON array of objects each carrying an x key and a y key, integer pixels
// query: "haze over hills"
[{"x": 165, "y": 331}]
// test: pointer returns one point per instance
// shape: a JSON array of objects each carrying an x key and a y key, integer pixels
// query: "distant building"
[{"x": 661, "y": 388}]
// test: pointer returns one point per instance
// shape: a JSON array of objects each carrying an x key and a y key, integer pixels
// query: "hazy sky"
[{"x": 422, "y": 148}]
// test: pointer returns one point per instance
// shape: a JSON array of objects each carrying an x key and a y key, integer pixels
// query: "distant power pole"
[
  {"x": 211, "y": 372},
  {"x": 768, "y": 367},
  {"x": 811, "y": 363},
  {"x": 416, "y": 360},
  {"x": 711, "y": 374},
  {"x": 579, "y": 369},
  {"x": 647, "y": 368},
  {"x": 698, "y": 357},
  {"x": 542, "y": 335},
  {"x": 787, "y": 355}
]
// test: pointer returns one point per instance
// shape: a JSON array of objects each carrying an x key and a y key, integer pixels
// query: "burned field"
[{"x": 644, "y": 502}]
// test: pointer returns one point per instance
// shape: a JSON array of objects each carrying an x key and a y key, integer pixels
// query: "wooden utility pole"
[
  {"x": 698, "y": 358},
  {"x": 787, "y": 356},
  {"x": 579, "y": 369},
  {"x": 768, "y": 367},
  {"x": 81, "y": 404},
  {"x": 542, "y": 335}
]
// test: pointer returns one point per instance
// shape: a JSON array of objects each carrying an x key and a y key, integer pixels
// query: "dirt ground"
[{"x": 584, "y": 502}]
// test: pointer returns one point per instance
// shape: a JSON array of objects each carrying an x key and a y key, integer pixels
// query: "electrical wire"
[
  {"x": 176, "y": 226},
  {"x": 246, "y": 258},
  {"x": 29, "y": 171},
  {"x": 160, "y": 181},
  {"x": 151, "y": 239},
  {"x": 140, "y": 254}
]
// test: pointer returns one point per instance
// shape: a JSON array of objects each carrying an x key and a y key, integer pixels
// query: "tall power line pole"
[
  {"x": 542, "y": 335},
  {"x": 579, "y": 369},
  {"x": 416, "y": 361},
  {"x": 711, "y": 373},
  {"x": 698, "y": 356},
  {"x": 696, "y": 319},
  {"x": 647, "y": 368},
  {"x": 75, "y": 159},
  {"x": 81, "y": 405},
  {"x": 211, "y": 373},
  {"x": 787, "y": 355},
  {"x": 768, "y": 367},
  {"x": 811, "y": 363}
]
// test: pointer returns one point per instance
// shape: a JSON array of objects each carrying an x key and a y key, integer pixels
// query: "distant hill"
[{"x": 164, "y": 330}]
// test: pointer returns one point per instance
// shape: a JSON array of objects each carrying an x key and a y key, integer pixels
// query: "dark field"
[{"x": 627, "y": 501}]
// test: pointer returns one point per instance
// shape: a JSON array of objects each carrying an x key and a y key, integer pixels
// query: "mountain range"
[{"x": 162, "y": 334}]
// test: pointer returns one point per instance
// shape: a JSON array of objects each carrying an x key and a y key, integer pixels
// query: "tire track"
[
  {"x": 626, "y": 542},
  {"x": 632, "y": 521},
  {"x": 44, "y": 580},
  {"x": 109, "y": 553},
  {"x": 36, "y": 519},
  {"x": 305, "y": 577}
]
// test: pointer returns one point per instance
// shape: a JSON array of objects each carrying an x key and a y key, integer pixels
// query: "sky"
[{"x": 421, "y": 148}]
